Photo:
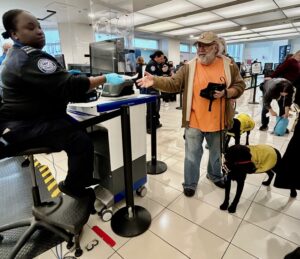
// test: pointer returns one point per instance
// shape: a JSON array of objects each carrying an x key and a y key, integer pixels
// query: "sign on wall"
[{"x": 283, "y": 51}]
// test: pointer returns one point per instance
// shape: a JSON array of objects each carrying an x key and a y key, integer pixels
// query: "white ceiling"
[{"x": 263, "y": 19}]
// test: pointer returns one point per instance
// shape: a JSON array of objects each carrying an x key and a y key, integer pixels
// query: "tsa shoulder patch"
[
  {"x": 152, "y": 68},
  {"x": 46, "y": 65}
]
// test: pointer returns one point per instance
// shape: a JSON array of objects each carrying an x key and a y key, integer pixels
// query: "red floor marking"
[{"x": 106, "y": 238}]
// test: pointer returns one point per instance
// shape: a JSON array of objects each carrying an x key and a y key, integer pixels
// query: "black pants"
[
  {"x": 264, "y": 119},
  {"x": 58, "y": 134},
  {"x": 148, "y": 116}
]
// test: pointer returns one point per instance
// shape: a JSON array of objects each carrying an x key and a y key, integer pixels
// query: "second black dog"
[
  {"x": 243, "y": 123},
  {"x": 242, "y": 160}
]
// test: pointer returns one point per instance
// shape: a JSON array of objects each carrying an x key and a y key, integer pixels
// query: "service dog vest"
[
  {"x": 264, "y": 157},
  {"x": 247, "y": 123}
]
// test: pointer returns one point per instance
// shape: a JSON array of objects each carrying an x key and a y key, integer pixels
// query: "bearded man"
[{"x": 204, "y": 116}]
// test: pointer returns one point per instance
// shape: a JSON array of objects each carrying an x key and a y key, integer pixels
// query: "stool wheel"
[
  {"x": 78, "y": 252},
  {"x": 106, "y": 214},
  {"x": 142, "y": 191}
]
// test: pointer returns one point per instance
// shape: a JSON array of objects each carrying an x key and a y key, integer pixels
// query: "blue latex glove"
[
  {"x": 114, "y": 79},
  {"x": 74, "y": 72}
]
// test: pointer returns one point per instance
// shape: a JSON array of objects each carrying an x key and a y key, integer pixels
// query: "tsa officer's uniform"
[
  {"x": 154, "y": 69},
  {"x": 36, "y": 91}
]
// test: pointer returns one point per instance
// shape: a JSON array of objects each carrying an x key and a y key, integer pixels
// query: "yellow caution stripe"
[{"x": 48, "y": 178}]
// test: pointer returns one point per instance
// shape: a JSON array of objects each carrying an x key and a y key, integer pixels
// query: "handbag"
[{"x": 281, "y": 126}]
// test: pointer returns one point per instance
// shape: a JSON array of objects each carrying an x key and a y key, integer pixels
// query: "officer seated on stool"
[{"x": 36, "y": 91}]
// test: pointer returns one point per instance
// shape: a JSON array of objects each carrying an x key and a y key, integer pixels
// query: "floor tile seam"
[
  {"x": 263, "y": 205},
  {"x": 177, "y": 148},
  {"x": 199, "y": 225},
  {"x": 278, "y": 192},
  {"x": 241, "y": 196},
  {"x": 209, "y": 204},
  {"x": 164, "y": 183},
  {"x": 167, "y": 184},
  {"x": 46, "y": 156},
  {"x": 251, "y": 223},
  {"x": 240, "y": 249},
  {"x": 176, "y": 199},
  {"x": 243, "y": 218},
  {"x": 168, "y": 204},
  {"x": 169, "y": 244},
  {"x": 117, "y": 254}
]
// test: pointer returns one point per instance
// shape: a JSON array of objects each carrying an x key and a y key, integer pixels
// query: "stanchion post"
[
  {"x": 153, "y": 121},
  {"x": 131, "y": 220},
  {"x": 154, "y": 166},
  {"x": 254, "y": 85}
]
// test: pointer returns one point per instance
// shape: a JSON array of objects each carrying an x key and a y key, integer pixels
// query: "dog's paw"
[
  {"x": 224, "y": 206},
  {"x": 293, "y": 194},
  {"x": 232, "y": 208}
]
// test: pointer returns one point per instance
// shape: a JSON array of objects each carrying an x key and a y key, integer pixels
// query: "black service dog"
[
  {"x": 241, "y": 160},
  {"x": 243, "y": 123}
]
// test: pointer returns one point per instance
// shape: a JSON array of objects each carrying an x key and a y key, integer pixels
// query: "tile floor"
[{"x": 266, "y": 224}]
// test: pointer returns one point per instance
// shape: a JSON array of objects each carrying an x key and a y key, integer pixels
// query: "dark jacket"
[
  {"x": 154, "y": 68},
  {"x": 35, "y": 86},
  {"x": 289, "y": 70},
  {"x": 288, "y": 177},
  {"x": 270, "y": 88}
]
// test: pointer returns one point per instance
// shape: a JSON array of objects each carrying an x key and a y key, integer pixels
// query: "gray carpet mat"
[{"x": 16, "y": 204}]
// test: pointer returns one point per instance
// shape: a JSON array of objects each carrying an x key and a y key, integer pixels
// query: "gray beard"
[{"x": 207, "y": 59}]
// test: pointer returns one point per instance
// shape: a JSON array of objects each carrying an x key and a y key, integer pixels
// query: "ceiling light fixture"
[
  {"x": 91, "y": 15},
  {"x": 244, "y": 28}
]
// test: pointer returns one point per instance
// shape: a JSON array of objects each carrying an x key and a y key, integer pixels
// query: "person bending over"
[{"x": 281, "y": 90}]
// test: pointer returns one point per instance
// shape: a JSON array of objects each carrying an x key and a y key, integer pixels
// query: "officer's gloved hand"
[
  {"x": 74, "y": 72},
  {"x": 114, "y": 79}
]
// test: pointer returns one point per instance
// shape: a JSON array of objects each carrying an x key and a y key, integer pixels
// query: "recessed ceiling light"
[
  {"x": 91, "y": 15},
  {"x": 244, "y": 28},
  {"x": 191, "y": 36}
]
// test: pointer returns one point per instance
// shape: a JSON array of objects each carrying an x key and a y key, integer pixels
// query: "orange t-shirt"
[{"x": 201, "y": 118}]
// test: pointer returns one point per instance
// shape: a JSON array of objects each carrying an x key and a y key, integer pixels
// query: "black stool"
[{"x": 64, "y": 216}]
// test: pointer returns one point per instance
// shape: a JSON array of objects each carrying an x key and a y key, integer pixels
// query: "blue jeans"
[{"x": 193, "y": 154}]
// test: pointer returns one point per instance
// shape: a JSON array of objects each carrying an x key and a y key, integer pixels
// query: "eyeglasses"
[{"x": 198, "y": 45}]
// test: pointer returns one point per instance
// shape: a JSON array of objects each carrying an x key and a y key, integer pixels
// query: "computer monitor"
[
  {"x": 268, "y": 66},
  {"x": 104, "y": 57},
  {"x": 61, "y": 60},
  {"x": 110, "y": 56}
]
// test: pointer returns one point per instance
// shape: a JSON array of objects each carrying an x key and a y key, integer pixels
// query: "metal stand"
[
  {"x": 180, "y": 102},
  {"x": 131, "y": 220},
  {"x": 254, "y": 85},
  {"x": 154, "y": 166}
]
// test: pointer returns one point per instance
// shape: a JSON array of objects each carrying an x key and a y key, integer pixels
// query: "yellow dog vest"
[{"x": 264, "y": 157}]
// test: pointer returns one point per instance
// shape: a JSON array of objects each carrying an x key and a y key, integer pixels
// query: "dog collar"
[{"x": 243, "y": 162}]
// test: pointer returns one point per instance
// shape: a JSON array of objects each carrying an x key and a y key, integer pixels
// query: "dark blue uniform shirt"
[{"x": 35, "y": 86}]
